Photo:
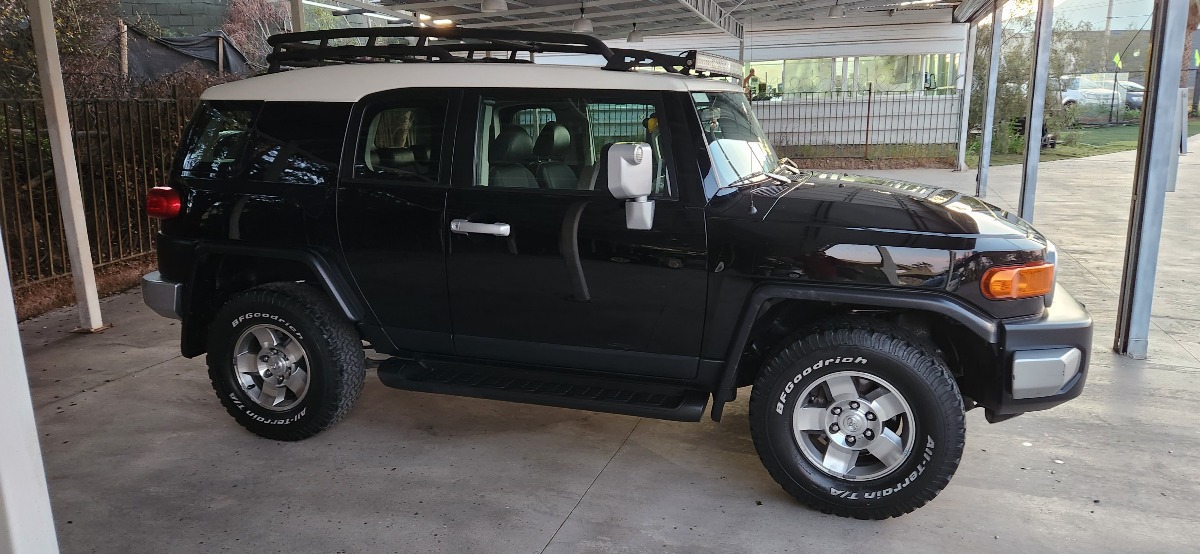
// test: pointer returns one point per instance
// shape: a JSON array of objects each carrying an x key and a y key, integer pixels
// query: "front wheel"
[
  {"x": 284, "y": 363},
  {"x": 857, "y": 419}
]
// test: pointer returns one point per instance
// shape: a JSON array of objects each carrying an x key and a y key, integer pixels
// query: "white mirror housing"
[
  {"x": 631, "y": 178},
  {"x": 630, "y": 170}
]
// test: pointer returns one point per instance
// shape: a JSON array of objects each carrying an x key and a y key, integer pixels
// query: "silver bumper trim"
[
  {"x": 162, "y": 296},
  {"x": 1038, "y": 373}
]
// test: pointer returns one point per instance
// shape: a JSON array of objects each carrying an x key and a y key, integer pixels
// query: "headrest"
[
  {"x": 554, "y": 140},
  {"x": 393, "y": 157},
  {"x": 514, "y": 145}
]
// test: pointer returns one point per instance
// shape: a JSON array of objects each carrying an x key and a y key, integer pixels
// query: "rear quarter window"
[
  {"x": 296, "y": 143},
  {"x": 218, "y": 138}
]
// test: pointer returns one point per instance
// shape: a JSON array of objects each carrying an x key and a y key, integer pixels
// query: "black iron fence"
[
  {"x": 122, "y": 146},
  {"x": 867, "y": 124}
]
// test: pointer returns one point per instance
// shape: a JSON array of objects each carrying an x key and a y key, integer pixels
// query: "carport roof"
[{"x": 615, "y": 18}]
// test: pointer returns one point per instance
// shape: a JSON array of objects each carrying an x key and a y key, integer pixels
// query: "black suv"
[{"x": 596, "y": 238}]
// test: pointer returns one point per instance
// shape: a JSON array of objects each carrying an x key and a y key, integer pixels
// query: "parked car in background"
[
  {"x": 1081, "y": 90},
  {"x": 1133, "y": 93}
]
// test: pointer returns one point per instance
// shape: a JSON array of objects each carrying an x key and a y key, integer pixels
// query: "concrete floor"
[{"x": 141, "y": 458}]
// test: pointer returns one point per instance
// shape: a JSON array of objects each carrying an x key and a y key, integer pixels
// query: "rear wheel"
[
  {"x": 283, "y": 362},
  {"x": 858, "y": 419}
]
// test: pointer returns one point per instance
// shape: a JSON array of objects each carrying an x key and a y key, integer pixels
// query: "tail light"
[
  {"x": 1007, "y": 283},
  {"x": 163, "y": 203}
]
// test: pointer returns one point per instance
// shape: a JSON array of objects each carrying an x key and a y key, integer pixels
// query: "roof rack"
[{"x": 459, "y": 44}]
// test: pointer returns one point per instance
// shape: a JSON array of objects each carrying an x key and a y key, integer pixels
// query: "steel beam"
[
  {"x": 66, "y": 172},
  {"x": 964, "y": 127},
  {"x": 525, "y": 23},
  {"x": 570, "y": 8},
  {"x": 1157, "y": 144},
  {"x": 989, "y": 101},
  {"x": 1039, "y": 76},
  {"x": 713, "y": 14}
]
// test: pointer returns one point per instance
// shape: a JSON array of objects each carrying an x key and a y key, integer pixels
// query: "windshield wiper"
[{"x": 745, "y": 180}]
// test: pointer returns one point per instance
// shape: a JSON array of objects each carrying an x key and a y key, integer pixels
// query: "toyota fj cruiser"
[{"x": 598, "y": 238}]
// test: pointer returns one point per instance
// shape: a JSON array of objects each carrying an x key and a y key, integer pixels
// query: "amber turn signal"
[{"x": 1007, "y": 283}]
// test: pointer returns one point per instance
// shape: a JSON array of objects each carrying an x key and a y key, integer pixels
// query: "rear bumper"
[
  {"x": 163, "y": 296},
  {"x": 1045, "y": 359}
]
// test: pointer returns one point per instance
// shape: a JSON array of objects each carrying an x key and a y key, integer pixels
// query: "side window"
[
  {"x": 297, "y": 143},
  {"x": 402, "y": 140},
  {"x": 553, "y": 142},
  {"x": 214, "y": 147}
]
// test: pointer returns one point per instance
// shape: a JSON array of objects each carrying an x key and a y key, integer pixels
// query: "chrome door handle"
[{"x": 463, "y": 226}]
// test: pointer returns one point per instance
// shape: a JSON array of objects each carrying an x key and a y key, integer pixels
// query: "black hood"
[{"x": 873, "y": 203}]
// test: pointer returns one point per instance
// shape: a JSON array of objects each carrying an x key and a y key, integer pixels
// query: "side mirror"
[{"x": 631, "y": 178}]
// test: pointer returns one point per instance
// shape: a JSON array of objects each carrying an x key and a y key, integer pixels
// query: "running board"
[{"x": 548, "y": 388}]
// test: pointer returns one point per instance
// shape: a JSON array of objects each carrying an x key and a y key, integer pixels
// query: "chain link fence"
[{"x": 866, "y": 124}]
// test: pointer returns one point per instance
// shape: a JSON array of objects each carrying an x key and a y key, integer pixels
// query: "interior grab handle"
[{"x": 463, "y": 226}]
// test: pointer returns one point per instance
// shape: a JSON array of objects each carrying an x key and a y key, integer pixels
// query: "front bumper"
[
  {"x": 1044, "y": 359},
  {"x": 163, "y": 296}
]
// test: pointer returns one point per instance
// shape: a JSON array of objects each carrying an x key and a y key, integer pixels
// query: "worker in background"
[{"x": 750, "y": 84}]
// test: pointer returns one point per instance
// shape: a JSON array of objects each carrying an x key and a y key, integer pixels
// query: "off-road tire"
[
  {"x": 336, "y": 361},
  {"x": 872, "y": 349}
]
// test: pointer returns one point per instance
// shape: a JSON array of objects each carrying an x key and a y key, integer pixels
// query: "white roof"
[{"x": 349, "y": 83}]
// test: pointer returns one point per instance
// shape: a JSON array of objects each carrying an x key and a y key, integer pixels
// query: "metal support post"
[
  {"x": 66, "y": 173},
  {"x": 964, "y": 128},
  {"x": 1157, "y": 143},
  {"x": 989, "y": 102},
  {"x": 1035, "y": 116},
  {"x": 26, "y": 523},
  {"x": 1180, "y": 127},
  {"x": 742, "y": 52},
  {"x": 123, "y": 39},
  {"x": 297, "y": 16}
]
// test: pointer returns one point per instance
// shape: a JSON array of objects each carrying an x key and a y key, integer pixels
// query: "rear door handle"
[{"x": 463, "y": 226}]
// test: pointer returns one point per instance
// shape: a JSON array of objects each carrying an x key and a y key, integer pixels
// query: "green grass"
[{"x": 1089, "y": 141}]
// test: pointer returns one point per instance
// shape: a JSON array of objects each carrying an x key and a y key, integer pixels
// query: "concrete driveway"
[{"x": 140, "y": 457}]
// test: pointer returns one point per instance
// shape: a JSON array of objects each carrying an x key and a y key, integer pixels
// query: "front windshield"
[{"x": 736, "y": 142}]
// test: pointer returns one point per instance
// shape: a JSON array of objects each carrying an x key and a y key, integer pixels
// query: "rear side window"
[
  {"x": 297, "y": 143},
  {"x": 217, "y": 140}
]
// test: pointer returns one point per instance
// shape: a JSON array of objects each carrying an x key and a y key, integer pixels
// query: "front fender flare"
[{"x": 937, "y": 302}]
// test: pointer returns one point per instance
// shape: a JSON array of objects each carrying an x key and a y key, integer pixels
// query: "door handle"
[{"x": 463, "y": 226}]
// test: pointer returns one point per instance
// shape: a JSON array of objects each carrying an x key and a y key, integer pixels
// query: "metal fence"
[
  {"x": 122, "y": 146},
  {"x": 866, "y": 124}
]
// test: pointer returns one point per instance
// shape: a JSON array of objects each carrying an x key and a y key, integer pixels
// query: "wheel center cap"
[{"x": 853, "y": 423}]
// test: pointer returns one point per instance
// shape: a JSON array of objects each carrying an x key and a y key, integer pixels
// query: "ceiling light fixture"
[
  {"x": 836, "y": 10},
  {"x": 635, "y": 35},
  {"x": 583, "y": 24},
  {"x": 493, "y": 6}
]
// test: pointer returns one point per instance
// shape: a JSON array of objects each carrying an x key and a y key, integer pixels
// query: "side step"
[{"x": 548, "y": 388}]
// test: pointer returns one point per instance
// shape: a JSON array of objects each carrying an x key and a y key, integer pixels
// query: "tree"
[
  {"x": 86, "y": 31},
  {"x": 1193, "y": 21},
  {"x": 250, "y": 23}
]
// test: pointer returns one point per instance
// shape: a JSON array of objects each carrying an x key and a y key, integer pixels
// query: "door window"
[
  {"x": 402, "y": 140},
  {"x": 553, "y": 142}
]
